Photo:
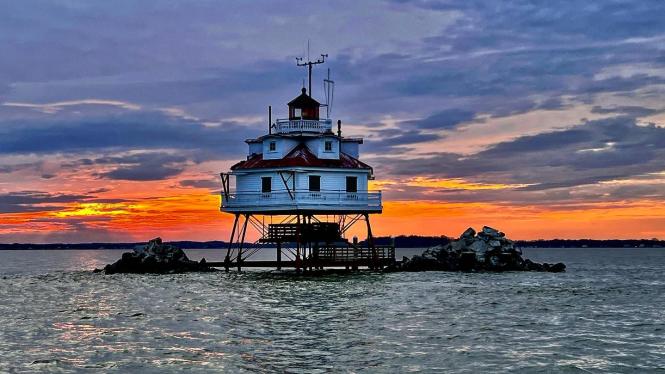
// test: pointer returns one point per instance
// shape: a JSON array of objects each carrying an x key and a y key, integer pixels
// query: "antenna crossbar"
[{"x": 309, "y": 64}]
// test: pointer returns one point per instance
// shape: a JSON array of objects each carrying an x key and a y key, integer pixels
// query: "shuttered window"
[
  {"x": 315, "y": 183},
  {"x": 351, "y": 184},
  {"x": 266, "y": 184}
]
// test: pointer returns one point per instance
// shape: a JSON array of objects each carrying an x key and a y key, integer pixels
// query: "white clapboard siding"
[
  {"x": 282, "y": 147},
  {"x": 330, "y": 180},
  {"x": 317, "y": 147},
  {"x": 351, "y": 148},
  {"x": 255, "y": 148}
]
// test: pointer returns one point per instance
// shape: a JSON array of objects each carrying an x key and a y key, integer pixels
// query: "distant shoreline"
[{"x": 401, "y": 241}]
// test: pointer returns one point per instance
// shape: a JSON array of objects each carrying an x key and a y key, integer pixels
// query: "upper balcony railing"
[
  {"x": 303, "y": 125},
  {"x": 302, "y": 200}
]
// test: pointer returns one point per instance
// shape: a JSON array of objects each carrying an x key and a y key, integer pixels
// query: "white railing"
[
  {"x": 302, "y": 199},
  {"x": 303, "y": 125}
]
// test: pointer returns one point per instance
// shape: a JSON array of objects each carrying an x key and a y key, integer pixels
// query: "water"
[{"x": 605, "y": 314}]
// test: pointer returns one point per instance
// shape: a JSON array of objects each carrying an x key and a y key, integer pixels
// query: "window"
[
  {"x": 272, "y": 147},
  {"x": 266, "y": 184},
  {"x": 297, "y": 112},
  {"x": 328, "y": 146},
  {"x": 315, "y": 183},
  {"x": 351, "y": 184}
]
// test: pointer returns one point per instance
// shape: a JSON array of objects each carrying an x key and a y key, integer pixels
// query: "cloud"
[
  {"x": 594, "y": 152},
  {"x": 55, "y": 107},
  {"x": 32, "y": 201},
  {"x": 630, "y": 110},
  {"x": 143, "y": 167},
  {"x": 213, "y": 184},
  {"x": 123, "y": 132},
  {"x": 391, "y": 140},
  {"x": 445, "y": 119}
]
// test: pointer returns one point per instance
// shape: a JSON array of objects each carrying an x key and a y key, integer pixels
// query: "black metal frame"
[{"x": 301, "y": 253}]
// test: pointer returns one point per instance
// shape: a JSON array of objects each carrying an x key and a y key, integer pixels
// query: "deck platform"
[
  {"x": 369, "y": 263},
  {"x": 332, "y": 256}
]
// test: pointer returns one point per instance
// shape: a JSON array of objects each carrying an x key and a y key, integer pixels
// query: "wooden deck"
[
  {"x": 348, "y": 256},
  {"x": 369, "y": 263}
]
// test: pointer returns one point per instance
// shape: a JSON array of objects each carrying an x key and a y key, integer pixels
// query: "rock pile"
[
  {"x": 155, "y": 257},
  {"x": 487, "y": 250}
]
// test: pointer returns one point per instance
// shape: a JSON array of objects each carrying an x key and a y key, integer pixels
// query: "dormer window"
[
  {"x": 272, "y": 146},
  {"x": 328, "y": 146}
]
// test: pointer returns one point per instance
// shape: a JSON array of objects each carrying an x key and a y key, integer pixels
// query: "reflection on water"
[{"x": 604, "y": 315}]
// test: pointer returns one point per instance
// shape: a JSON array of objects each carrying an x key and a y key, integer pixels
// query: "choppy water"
[{"x": 606, "y": 314}]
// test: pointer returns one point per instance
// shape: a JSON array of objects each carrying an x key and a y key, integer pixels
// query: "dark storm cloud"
[
  {"x": 632, "y": 110},
  {"x": 213, "y": 184},
  {"x": 592, "y": 152},
  {"x": 6, "y": 169},
  {"x": 396, "y": 139},
  {"x": 442, "y": 120},
  {"x": 30, "y": 201},
  {"x": 40, "y": 201},
  {"x": 142, "y": 172},
  {"x": 144, "y": 166},
  {"x": 540, "y": 142},
  {"x": 132, "y": 131},
  {"x": 498, "y": 55},
  {"x": 553, "y": 20}
]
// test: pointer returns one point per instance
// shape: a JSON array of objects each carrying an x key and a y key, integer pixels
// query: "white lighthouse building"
[{"x": 308, "y": 180}]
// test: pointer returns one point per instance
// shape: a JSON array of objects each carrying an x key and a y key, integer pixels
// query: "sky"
[{"x": 545, "y": 119}]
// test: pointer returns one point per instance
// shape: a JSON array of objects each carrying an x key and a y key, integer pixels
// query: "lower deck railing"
[
  {"x": 295, "y": 199},
  {"x": 352, "y": 253}
]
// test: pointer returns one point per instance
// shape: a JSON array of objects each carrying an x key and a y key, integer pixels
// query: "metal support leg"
[
  {"x": 227, "y": 259},
  {"x": 370, "y": 244},
  {"x": 242, "y": 241},
  {"x": 298, "y": 260}
]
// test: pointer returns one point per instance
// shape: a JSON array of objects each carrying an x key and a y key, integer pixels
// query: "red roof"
[{"x": 300, "y": 156}]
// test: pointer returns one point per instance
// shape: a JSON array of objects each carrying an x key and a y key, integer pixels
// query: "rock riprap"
[
  {"x": 155, "y": 257},
  {"x": 487, "y": 250}
]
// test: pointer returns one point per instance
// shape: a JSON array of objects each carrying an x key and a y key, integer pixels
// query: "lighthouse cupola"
[{"x": 304, "y": 107}]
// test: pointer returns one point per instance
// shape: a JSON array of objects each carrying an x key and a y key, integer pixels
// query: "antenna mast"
[
  {"x": 329, "y": 91},
  {"x": 309, "y": 65}
]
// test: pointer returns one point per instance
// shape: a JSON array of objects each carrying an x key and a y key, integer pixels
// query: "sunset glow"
[{"x": 544, "y": 130}]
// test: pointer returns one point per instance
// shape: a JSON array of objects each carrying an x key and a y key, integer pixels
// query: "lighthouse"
[{"x": 302, "y": 186}]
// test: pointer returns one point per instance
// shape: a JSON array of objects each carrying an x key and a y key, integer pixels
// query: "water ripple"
[{"x": 597, "y": 317}]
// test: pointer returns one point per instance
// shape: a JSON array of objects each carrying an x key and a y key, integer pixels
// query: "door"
[
  {"x": 352, "y": 188},
  {"x": 266, "y": 185}
]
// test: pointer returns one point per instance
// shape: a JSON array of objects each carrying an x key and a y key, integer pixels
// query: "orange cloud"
[{"x": 195, "y": 215}]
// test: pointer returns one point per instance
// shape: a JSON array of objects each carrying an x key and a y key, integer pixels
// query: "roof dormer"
[{"x": 304, "y": 107}]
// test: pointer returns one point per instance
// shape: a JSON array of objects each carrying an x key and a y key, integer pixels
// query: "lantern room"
[{"x": 304, "y": 107}]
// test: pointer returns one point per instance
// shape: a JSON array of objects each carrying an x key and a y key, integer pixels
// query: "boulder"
[
  {"x": 468, "y": 233},
  {"x": 492, "y": 233},
  {"x": 487, "y": 250},
  {"x": 155, "y": 257},
  {"x": 479, "y": 248}
]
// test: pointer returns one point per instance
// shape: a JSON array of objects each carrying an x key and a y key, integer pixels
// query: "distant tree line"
[{"x": 401, "y": 241}]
